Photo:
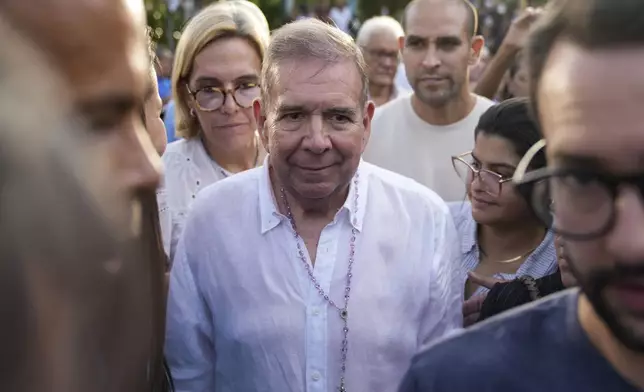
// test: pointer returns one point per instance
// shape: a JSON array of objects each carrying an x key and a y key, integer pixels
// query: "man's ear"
[
  {"x": 260, "y": 119},
  {"x": 478, "y": 43},
  {"x": 369, "y": 110},
  {"x": 401, "y": 42}
]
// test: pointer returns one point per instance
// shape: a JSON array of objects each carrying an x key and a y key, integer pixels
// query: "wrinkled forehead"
[
  {"x": 383, "y": 38},
  {"x": 316, "y": 84},
  {"x": 591, "y": 102}
]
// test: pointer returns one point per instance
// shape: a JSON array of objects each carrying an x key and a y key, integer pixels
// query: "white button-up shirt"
[
  {"x": 188, "y": 170},
  {"x": 243, "y": 314}
]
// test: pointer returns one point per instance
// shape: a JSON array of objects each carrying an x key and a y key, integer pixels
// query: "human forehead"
[
  {"x": 382, "y": 38},
  {"x": 318, "y": 84},
  {"x": 490, "y": 148},
  {"x": 590, "y": 102},
  {"x": 118, "y": 64},
  {"x": 434, "y": 19},
  {"x": 227, "y": 59}
]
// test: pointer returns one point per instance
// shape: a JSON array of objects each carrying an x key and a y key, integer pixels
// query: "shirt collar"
[{"x": 271, "y": 217}]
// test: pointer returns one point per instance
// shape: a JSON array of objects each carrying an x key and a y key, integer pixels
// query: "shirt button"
[
  {"x": 315, "y": 376},
  {"x": 316, "y": 312},
  {"x": 197, "y": 182}
]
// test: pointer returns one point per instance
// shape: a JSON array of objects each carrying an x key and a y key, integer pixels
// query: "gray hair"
[
  {"x": 310, "y": 39},
  {"x": 376, "y": 24}
]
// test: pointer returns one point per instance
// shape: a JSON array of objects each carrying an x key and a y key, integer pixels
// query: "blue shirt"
[
  {"x": 165, "y": 88},
  {"x": 537, "y": 348},
  {"x": 540, "y": 263},
  {"x": 168, "y": 121}
]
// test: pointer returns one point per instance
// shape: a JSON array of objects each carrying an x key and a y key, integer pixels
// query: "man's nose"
[
  {"x": 625, "y": 241},
  {"x": 390, "y": 61},
  {"x": 317, "y": 140},
  {"x": 432, "y": 59},
  {"x": 142, "y": 171}
]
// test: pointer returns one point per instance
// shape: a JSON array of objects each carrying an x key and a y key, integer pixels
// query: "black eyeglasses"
[
  {"x": 584, "y": 199},
  {"x": 468, "y": 168},
  {"x": 209, "y": 99}
]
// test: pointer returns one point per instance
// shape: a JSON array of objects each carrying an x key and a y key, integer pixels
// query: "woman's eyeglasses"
[
  {"x": 209, "y": 99},
  {"x": 584, "y": 199},
  {"x": 469, "y": 168}
]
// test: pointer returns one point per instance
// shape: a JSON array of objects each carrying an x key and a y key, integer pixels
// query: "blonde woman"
[{"x": 214, "y": 82}]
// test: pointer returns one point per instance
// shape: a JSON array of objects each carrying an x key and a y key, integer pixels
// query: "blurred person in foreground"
[
  {"x": 215, "y": 81},
  {"x": 299, "y": 282},
  {"x": 416, "y": 135},
  {"x": 75, "y": 300},
  {"x": 107, "y": 82},
  {"x": 159, "y": 267},
  {"x": 500, "y": 235},
  {"x": 586, "y": 58},
  {"x": 378, "y": 38}
]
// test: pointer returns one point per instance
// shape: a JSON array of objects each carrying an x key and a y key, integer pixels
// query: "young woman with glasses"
[
  {"x": 500, "y": 235},
  {"x": 215, "y": 81}
]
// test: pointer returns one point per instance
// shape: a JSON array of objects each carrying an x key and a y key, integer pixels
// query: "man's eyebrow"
[
  {"x": 291, "y": 108},
  {"x": 449, "y": 38},
  {"x": 413, "y": 37},
  {"x": 114, "y": 103},
  {"x": 349, "y": 112}
]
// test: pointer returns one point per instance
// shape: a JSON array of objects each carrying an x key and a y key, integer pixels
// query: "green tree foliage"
[{"x": 274, "y": 11}]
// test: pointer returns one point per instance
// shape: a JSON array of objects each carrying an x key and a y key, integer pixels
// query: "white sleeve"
[
  {"x": 444, "y": 314},
  {"x": 190, "y": 348}
]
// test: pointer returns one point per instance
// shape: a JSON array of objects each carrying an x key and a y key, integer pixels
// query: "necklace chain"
[
  {"x": 344, "y": 310},
  {"x": 511, "y": 260}
]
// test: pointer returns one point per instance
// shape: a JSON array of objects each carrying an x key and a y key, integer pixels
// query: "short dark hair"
[
  {"x": 592, "y": 24},
  {"x": 512, "y": 121},
  {"x": 472, "y": 16}
]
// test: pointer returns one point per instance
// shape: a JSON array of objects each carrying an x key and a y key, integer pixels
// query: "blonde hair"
[
  {"x": 310, "y": 39},
  {"x": 217, "y": 21}
]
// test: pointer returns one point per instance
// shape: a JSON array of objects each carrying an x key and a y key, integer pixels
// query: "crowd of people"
[{"x": 399, "y": 211}]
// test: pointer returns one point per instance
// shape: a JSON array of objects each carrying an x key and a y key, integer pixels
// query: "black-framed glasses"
[
  {"x": 209, "y": 99},
  {"x": 584, "y": 199},
  {"x": 468, "y": 168}
]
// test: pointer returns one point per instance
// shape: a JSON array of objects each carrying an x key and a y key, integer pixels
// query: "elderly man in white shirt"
[{"x": 317, "y": 271}]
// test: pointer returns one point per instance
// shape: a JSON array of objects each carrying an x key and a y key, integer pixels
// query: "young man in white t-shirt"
[{"x": 416, "y": 135}]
